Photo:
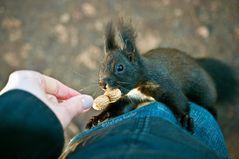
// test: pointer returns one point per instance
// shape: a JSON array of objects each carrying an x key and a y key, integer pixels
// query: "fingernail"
[{"x": 87, "y": 101}]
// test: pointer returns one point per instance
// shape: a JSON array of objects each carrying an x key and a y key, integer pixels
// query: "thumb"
[
  {"x": 78, "y": 104},
  {"x": 67, "y": 110}
]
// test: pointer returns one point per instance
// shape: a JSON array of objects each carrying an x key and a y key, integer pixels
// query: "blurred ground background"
[{"x": 64, "y": 39}]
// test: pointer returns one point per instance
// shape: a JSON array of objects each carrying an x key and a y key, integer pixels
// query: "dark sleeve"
[{"x": 28, "y": 128}]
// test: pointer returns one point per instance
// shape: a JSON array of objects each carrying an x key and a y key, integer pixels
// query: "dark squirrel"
[{"x": 168, "y": 75}]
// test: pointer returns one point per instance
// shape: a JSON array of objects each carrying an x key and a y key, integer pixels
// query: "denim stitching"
[{"x": 215, "y": 141}]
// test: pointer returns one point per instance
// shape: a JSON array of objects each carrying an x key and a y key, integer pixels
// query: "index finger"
[{"x": 58, "y": 89}]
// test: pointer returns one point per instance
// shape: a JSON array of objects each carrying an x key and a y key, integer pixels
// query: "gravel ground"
[{"x": 64, "y": 39}]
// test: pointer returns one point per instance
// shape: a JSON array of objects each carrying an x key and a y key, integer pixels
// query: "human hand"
[{"x": 65, "y": 102}]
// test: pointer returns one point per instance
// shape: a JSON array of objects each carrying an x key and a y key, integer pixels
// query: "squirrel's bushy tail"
[{"x": 225, "y": 79}]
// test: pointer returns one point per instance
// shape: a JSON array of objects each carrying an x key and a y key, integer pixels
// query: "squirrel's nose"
[{"x": 106, "y": 81}]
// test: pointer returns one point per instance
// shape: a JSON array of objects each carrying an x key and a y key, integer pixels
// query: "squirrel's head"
[{"x": 121, "y": 66}]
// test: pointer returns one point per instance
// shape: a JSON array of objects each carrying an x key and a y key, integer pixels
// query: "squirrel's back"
[
  {"x": 176, "y": 62},
  {"x": 184, "y": 71}
]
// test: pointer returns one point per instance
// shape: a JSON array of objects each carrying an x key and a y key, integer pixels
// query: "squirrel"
[{"x": 165, "y": 75}]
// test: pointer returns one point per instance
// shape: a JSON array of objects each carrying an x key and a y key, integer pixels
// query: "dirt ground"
[{"x": 64, "y": 39}]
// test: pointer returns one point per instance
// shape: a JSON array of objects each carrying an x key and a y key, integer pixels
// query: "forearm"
[{"x": 29, "y": 129}]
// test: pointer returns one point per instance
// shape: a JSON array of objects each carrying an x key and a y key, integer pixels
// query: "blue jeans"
[{"x": 206, "y": 130}]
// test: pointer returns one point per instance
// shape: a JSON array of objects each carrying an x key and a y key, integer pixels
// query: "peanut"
[
  {"x": 113, "y": 94},
  {"x": 101, "y": 102},
  {"x": 110, "y": 96}
]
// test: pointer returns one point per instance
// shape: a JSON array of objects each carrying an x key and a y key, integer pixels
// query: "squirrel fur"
[{"x": 167, "y": 75}]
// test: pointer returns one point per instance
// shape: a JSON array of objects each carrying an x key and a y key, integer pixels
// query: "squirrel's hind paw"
[{"x": 187, "y": 123}]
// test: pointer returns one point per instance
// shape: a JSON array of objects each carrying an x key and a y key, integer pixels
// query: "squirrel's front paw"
[
  {"x": 187, "y": 122},
  {"x": 93, "y": 122}
]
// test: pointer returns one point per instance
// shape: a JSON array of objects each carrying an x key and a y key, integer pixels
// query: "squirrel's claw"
[
  {"x": 187, "y": 122},
  {"x": 93, "y": 122}
]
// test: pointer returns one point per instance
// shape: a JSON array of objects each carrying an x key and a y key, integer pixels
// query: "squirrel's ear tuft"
[
  {"x": 128, "y": 37},
  {"x": 110, "y": 43}
]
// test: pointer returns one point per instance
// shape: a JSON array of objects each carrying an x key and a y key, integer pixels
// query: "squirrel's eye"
[{"x": 119, "y": 67}]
